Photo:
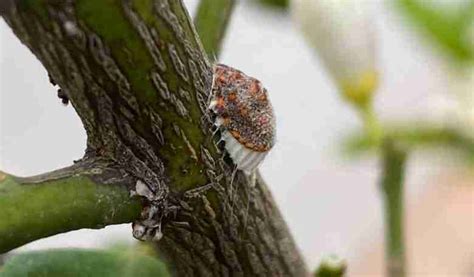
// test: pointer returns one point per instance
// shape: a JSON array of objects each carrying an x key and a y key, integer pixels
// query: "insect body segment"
[{"x": 244, "y": 115}]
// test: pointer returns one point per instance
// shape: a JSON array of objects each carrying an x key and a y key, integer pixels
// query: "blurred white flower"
[
  {"x": 342, "y": 32},
  {"x": 455, "y": 106},
  {"x": 462, "y": 83}
]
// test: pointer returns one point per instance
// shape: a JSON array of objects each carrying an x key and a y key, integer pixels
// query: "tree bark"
[{"x": 136, "y": 74}]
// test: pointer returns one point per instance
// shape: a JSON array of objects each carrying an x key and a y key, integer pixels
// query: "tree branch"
[
  {"x": 85, "y": 195},
  {"x": 138, "y": 78},
  {"x": 211, "y": 22}
]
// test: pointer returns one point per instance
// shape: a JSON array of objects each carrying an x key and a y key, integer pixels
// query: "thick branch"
[
  {"x": 81, "y": 196},
  {"x": 211, "y": 22},
  {"x": 138, "y": 78}
]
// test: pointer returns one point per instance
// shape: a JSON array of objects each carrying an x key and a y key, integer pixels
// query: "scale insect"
[{"x": 244, "y": 115}]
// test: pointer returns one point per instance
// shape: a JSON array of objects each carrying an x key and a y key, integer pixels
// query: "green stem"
[
  {"x": 394, "y": 158},
  {"x": 372, "y": 125},
  {"x": 211, "y": 23},
  {"x": 38, "y": 207},
  {"x": 417, "y": 135},
  {"x": 331, "y": 266}
]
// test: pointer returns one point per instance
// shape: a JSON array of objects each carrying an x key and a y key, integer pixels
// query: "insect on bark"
[{"x": 244, "y": 116}]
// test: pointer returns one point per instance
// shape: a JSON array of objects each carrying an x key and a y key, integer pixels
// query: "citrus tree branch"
[
  {"x": 211, "y": 22},
  {"x": 137, "y": 76},
  {"x": 85, "y": 195}
]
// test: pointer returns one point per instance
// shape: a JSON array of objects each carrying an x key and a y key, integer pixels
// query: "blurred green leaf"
[
  {"x": 82, "y": 262},
  {"x": 447, "y": 27},
  {"x": 416, "y": 136}
]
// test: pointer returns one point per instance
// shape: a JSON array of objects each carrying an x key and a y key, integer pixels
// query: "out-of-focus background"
[{"x": 331, "y": 202}]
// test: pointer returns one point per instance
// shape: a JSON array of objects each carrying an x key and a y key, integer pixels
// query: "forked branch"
[{"x": 139, "y": 80}]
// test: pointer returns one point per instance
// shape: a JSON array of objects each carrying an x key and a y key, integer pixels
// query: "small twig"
[
  {"x": 416, "y": 136},
  {"x": 32, "y": 210},
  {"x": 394, "y": 158},
  {"x": 211, "y": 23}
]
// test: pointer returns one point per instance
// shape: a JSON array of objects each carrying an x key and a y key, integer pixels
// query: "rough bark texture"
[{"x": 137, "y": 76}]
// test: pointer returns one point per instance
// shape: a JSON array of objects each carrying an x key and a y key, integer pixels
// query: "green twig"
[
  {"x": 394, "y": 158},
  {"x": 211, "y": 23},
  {"x": 32, "y": 210},
  {"x": 372, "y": 126},
  {"x": 416, "y": 136}
]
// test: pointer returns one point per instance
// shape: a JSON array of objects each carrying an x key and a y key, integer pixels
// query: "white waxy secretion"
[{"x": 244, "y": 116}]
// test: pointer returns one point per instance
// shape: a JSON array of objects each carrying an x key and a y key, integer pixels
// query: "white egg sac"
[{"x": 244, "y": 158}]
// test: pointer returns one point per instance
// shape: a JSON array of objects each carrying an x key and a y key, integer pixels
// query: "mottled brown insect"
[{"x": 244, "y": 114}]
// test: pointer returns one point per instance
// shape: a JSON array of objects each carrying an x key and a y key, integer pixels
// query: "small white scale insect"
[{"x": 244, "y": 116}]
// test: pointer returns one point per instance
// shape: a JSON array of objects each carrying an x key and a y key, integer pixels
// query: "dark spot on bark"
[{"x": 63, "y": 96}]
